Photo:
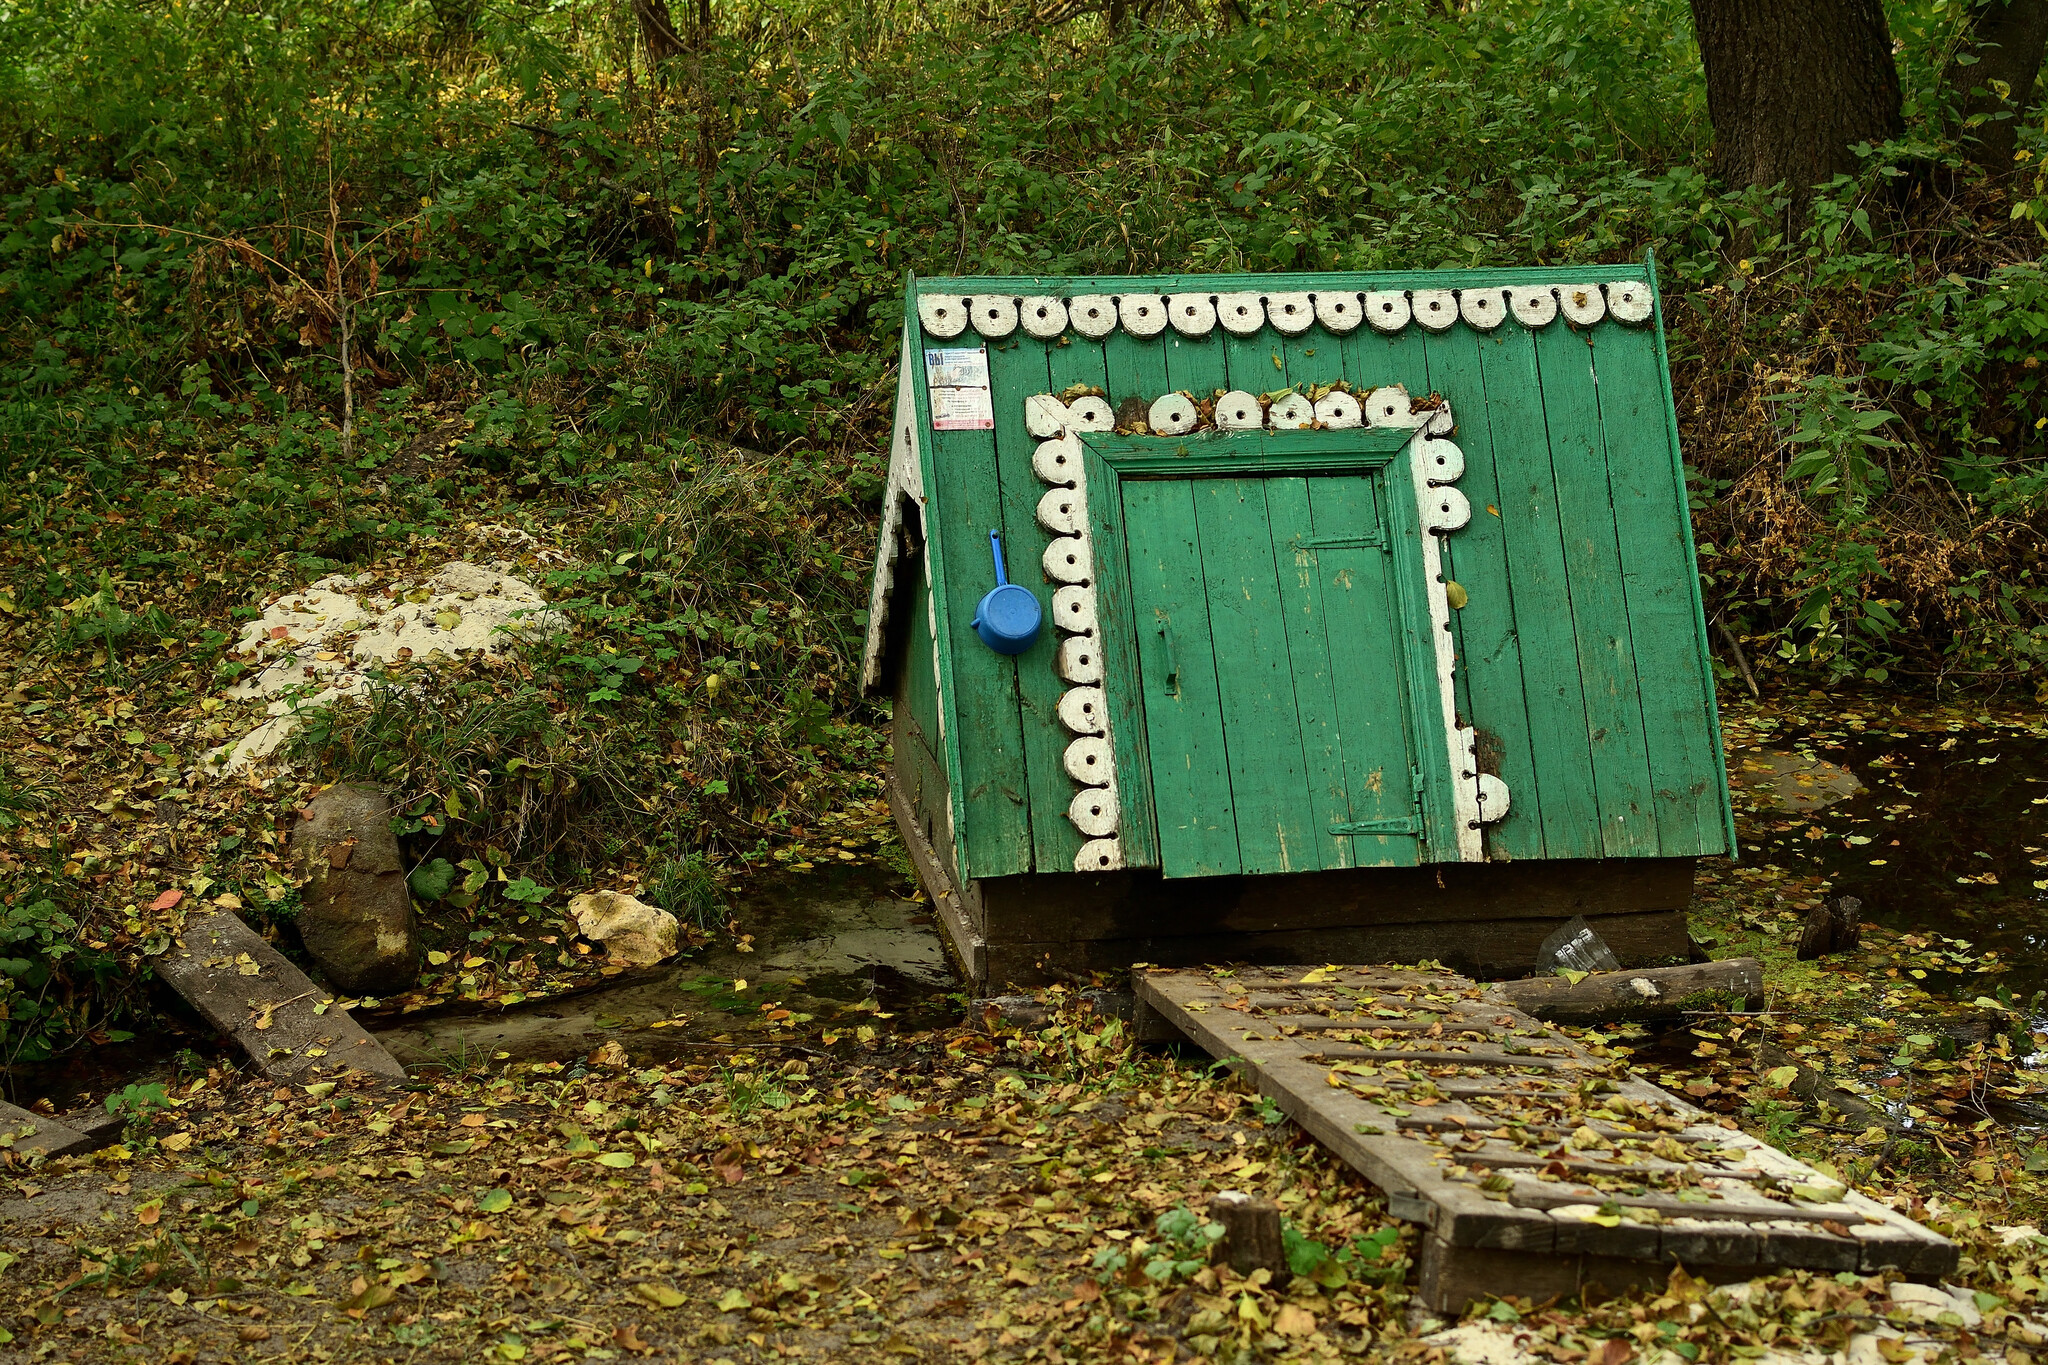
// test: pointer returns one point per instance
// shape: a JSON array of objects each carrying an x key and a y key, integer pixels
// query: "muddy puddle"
[
  {"x": 843, "y": 945},
  {"x": 1941, "y": 832}
]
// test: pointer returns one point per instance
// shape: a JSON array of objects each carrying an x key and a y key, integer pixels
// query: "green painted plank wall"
[{"x": 1580, "y": 653}]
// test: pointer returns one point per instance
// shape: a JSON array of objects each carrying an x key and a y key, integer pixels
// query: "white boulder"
[{"x": 633, "y": 932}]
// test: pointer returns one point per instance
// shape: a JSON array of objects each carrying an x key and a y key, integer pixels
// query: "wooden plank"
[
  {"x": 1489, "y": 672},
  {"x": 970, "y": 949},
  {"x": 1308, "y": 635},
  {"x": 1494, "y": 1169},
  {"x": 1607, "y": 658},
  {"x": 1122, "y": 671},
  {"x": 1561, "y": 752},
  {"x": 965, "y": 502},
  {"x": 1365, "y": 641},
  {"x": 269, "y": 1012},
  {"x": 1255, "y": 678},
  {"x": 1658, "y": 574},
  {"x": 1018, "y": 368},
  {"x": 1189, "y": 772}
]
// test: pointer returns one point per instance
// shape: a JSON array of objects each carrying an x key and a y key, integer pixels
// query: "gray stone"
[
  {"x": 40, "y": 1135},
  {"x": 357, "y": 922},
  {"x": 290, "y": 1028}
]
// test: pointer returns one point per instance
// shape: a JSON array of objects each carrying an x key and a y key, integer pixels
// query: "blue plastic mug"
[{"x": 1009, "y": 615}]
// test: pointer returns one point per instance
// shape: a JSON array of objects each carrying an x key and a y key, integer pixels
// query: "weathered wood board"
[{"x": 1537, "y": 1167}]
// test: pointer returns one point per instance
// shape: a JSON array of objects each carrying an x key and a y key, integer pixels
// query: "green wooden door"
[{"x": 1270, "y": 637}]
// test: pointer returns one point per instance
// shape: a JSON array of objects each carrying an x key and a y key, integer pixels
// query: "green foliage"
[{"x": 1180, "y": 1246}]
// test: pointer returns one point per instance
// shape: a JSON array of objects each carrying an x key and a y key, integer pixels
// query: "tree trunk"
[
  {"x": 2006, "y": 40},
  {"x": 1793, "y": 85},
  {"x": 657, "y": 30}
]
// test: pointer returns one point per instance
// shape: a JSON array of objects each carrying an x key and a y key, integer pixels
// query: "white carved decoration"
[
  {"x": 1192, "y": 314},
  {"x": 1240, "y": 314},
  {"x": 1058, "y": 461},
  {"x": 1081, "y": 711},
  {"x": 1291, "y": 412},
  {"x": 1339, "y": 410},
  {"x": 1068, "y": 559},
  {"x": 1143, "y": 315},
  {"x": 1094, "y": 811},
  {"x": 1435, "y": 309},
  {"x": 1080, "y": 659},
  {"x": 1390, "y": 407},
  {"x": 1629, "y": 303},
  {"x": 1045, "y": 416},
  {"x": 1099, "y": 855},
  {"x": 1482, "y": 309},
  {"x": 1387, "y": 312},
  {"x": 1533, "y": 307},
  {"x": 1290, "y": 314},
  {"x": 1339, "y": 313},
  {"x": 1239, "y": 411},
  {"x": 1092, "y": 315},
  {"x": 942, "y": 315},
  {"x": 1438, "y": 505},
  {"x": 1090, "y": 759},
  {"x": 1171, "y": 414},
  {"x": 1091, "y": 413},
  {"x": 1493, "y": 799},
  {"x": 995, "y": 315},
  {"x": 1582, "y": 304},
  {"x": 1059, "y": 511},
  {"x": 1073, "y": 609},
  {"x": 1044, "y": 316}
]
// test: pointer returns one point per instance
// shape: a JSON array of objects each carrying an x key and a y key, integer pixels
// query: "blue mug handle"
[{"x": 995, "y": 545}]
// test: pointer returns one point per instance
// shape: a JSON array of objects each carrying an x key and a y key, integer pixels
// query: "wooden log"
[
  {"x": 1653, "y": 993},
  {"x": 1251, "y": 1234}
]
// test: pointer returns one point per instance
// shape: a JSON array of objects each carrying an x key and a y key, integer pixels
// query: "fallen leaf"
[
  {"x": 167, "y": 899},
  {"x": 660, "y": 1295}
]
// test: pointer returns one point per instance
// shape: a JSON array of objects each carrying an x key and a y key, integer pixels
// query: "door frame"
[{"x": 1419, "y": 460}]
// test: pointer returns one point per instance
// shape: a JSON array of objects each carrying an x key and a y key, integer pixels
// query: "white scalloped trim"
[
  {"x": 1340, "y": 312},
  {"x": 1482, "y": 309},
  {"x": 1435, "y": 309},
  {"x": 1239, "y": 411},
  {"x": 1339, "y": 410},
  {"x": 1443, "y": 509},
  {"x": 995, "y": 315},
  {"x": 942, "y": 315},
  {"x": 1629, "y": 303},
  {"x": 1388, "y": 311},
  {"x": 1291, "y": 412},
  {"x": 1094, "y": 811},
  {"x": 1092, "y": 315},
  {"x": 1044, "y": 316},
  {"x": 1582, "y": 304},
  {"x": 1291, "y": 314},
  {"x": 1048, "y": 317},
  {"x": 1143, "y": 315},
  {"x": 1240, "y": 314},
  {"x": 1090, "y": 758},
  {"x": 1171, "y": 414},
  {"x": 1533, "y": 307},
  {"x": 1192, "y": 314}
]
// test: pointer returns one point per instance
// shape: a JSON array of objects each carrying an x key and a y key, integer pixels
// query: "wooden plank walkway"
[{"x": 1537, "y": 1167}]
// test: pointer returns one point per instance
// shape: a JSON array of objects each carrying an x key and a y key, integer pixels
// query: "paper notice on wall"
[{"x": 957, "y": 379}]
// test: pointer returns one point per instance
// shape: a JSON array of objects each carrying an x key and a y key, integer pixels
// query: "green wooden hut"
[{"x": 1372, "y": 624}]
